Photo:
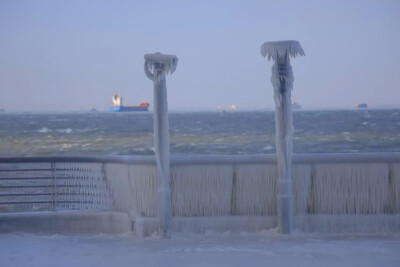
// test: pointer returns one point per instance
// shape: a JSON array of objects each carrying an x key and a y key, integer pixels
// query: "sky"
[{"x": 69, "y": 55}]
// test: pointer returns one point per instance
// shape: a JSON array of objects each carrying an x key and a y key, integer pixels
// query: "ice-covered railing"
[
  {"x": 45, "y": 184},
  {"x": 366, "y": 183},
  {"x": 212, "y": 186}
]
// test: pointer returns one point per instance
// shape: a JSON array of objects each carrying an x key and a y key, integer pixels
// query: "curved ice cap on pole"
[
  {"x": 281, "y": 48},
  {"x": 157, "y": 64}
]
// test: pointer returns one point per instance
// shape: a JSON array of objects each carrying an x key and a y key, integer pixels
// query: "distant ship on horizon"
[
  {"x": 93, "y": 109},
  {"x": 116, "y": 105},
  {"x": 295, "y": 105},
  {"x": 230, "y": 108},
  {"x": 361, "y": 105}
]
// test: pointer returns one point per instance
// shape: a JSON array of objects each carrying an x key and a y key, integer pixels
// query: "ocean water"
[{"x": 196, "y": 133}]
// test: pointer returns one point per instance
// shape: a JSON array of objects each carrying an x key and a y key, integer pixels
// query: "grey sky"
[{"x": 69, "y": 55}]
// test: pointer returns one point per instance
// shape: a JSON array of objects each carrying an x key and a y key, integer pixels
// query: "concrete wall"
[{"x": 65, "y": 222}]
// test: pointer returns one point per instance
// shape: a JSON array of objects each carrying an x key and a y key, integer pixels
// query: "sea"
[{"x": 196, "y": 133}]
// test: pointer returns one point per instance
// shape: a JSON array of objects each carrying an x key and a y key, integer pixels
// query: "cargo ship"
[{"x": 116, "y": 105}]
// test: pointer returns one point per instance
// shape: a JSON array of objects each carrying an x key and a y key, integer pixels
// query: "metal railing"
[
  {"x": 44, "y": 184},
  {"x": 117, "y": 182}
]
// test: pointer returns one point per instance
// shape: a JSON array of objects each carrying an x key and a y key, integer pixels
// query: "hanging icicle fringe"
[
  {"x": 328, "y": 197},
  {"x": 394, "y": 184},
  {"x": 273, "y": 50},
  {"x": 251, "y": 189},
  {"x": 302, "y": 175},
  {"x": 134, "y": 188},
  {"x": 201, "y": 190},
  {"x": 350, "y": 189},
  {"x": 255, "y": 190},
  {"x": 351, "y": 193},
  {"x": 156, "y": 66}
]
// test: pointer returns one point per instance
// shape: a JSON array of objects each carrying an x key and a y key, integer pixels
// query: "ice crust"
[
  {"x": 251, "y": 189},
  {"x": 157, "y": 65},
  {"x": 329, "y": 196},
  {"x": 274, "y": 50},
  {"x": 282, "y": 81}
]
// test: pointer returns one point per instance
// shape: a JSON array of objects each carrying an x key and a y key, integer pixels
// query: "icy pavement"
[{"x": 211, "y": 249}]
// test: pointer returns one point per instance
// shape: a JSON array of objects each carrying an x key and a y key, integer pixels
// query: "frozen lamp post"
[
  {"x": 156, "y": 67},
  {"x": 282, "y": 81}
]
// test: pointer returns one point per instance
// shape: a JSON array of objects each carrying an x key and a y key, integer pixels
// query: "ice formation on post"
[
  {"x": 279, "y": 49},
  {"x": 282, "y": 81},
  {"x": 156, "y": 67}
]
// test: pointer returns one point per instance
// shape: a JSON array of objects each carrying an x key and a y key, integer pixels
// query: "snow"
[{"x": 265, "y": 248}]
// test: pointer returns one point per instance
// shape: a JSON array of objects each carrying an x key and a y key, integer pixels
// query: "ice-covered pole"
[
  {"x": 282, "y": 81},
  {"x": 156, "y": 66}
]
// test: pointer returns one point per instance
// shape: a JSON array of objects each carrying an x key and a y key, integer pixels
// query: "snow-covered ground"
[{"x": 266, "y": 248}]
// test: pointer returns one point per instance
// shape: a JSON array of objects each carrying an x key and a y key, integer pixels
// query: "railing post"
[
  {"x": 108, "y": 188},
  {"x": 234, "y": 191},
  {"x": 282, "y": 81},
  {"x": 54, "y": 186}
]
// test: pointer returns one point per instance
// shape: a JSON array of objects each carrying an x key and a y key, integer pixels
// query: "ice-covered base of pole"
[{"x": 156, "y": 67}]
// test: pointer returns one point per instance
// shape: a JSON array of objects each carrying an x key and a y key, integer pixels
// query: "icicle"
[
  {"x": 256, "y": 190},
  {"x": 133, "y": 188},
  {"x": 302, "y": 187},
  {"x": 143, "y": 184},
  {"x": 279, "y": 49},
  {"x": 202, "y": 190},
  {"x": 350, "y": 188},
  {"x": 395, "y": 172}
]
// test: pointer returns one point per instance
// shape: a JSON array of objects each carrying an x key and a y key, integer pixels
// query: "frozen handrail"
[
  {"x": 302, "y": 158},
  {"x": 43, "y": 186}
]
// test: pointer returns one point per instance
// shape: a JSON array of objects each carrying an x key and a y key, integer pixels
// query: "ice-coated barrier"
[{"x": 332, "y": 192}]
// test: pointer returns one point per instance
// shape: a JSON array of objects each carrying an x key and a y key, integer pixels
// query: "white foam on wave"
[
  {"x": 44, "y": 130},
  {"x": 67, "y": 130}
]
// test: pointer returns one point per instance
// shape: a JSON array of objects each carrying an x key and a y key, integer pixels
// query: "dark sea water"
[{"x": 230, "y": 133}]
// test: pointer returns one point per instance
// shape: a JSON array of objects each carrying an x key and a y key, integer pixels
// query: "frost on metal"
[
  {"x": 133, "y": 188},
  {"x": 282, "y": 81},
  {"x": 351, "y": 189},
  {"x": 336, "y": 191},
  {"x": 157, "y": 65},
  {"x": 278, "y": 49},
  {"x": 202, "y": 190}
]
